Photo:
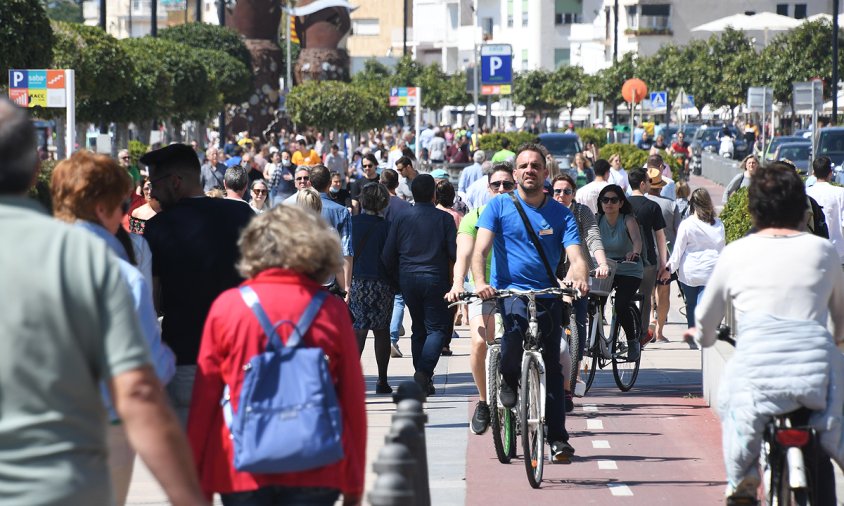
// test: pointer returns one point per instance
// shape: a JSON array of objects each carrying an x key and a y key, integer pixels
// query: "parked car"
[
  {"x": 831, "y": 144},
  {"x": 689, "y": 130},
  {"x": 798, "y": 153},
  {"x": 706, "y": 139},
  {"x": 562, "y": 147},
  {"x": 776, "y": 141}
]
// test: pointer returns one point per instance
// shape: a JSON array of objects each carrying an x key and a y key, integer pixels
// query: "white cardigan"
[{"x": 696, "y": 250}]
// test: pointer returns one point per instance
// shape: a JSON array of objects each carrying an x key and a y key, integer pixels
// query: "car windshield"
[
  {"x": 795, "y": 153},
  {"x": 710, "y": 134},
  {"x": 831, "y": 142},
  {"x": 561, "y": 146}
]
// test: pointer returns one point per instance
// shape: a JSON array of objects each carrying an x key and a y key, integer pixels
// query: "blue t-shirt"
[{"x": 515, "y": 263}]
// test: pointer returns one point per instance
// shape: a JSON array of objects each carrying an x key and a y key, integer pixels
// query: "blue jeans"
[
  {"x": 423, "y": 293},
  {"x": 398, "y": 316},
  {"x": 692, "y": 295},
  {"x": 549, "y": 313},
  {"x": 275, "y": 495}
]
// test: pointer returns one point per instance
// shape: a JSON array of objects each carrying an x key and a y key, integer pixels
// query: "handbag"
[{"x": 288, "y": 417}]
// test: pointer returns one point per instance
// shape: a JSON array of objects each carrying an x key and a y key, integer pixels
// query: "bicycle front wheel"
[
  {"x": 574, "y": 349},
  {"x": 626, "y": 371},
  {"x": 532, "y": 422},
  {"x": 501, "y": 418}
]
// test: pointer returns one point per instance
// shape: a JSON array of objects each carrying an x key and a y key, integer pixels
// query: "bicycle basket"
[{"x": 603, "y": 287}]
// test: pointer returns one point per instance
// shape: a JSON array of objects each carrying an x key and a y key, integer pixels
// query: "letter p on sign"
[
  {"x": 17, "y": 79},
  {"x": 495, "y": 63}
]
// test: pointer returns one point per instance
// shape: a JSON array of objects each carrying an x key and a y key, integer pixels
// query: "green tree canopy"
[
  {"x": 527, "y": 90},
  {"x": 26, "y": 39},
  {"x": 206, "y": 36},
  {"x": 566, "y": 89},
  {"x": 735, "y": 63},
  {"x": 151, "y": 95},
  {"x": 335, "y": 104},
  {"x": 609, "y": 81},
  {"x": 64, "y": 10},
  {"x": 101, "y": 69}
]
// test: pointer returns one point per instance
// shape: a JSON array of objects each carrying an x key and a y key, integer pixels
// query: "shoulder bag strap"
[
  {"x": 534, "y": 239},
  {"x": 307, "y": 319}
]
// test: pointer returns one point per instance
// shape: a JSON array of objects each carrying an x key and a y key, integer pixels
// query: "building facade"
[
  {"x": 132, "y": 18},
  {"x": 378, "y": 31}
]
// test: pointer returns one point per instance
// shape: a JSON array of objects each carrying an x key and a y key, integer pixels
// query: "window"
[
  {"x": 782, "y": 9},
  {"x": 509, "y": 13},
  {"x": 366, "y": 27},
  {"x": 524, "y": 59},
  {"x": 524, "y": 12},
  {"x": 562, "y": 57},
  {"x": 486, "y": 26},
  {"x": 799, "y": 11},
  {"x": 655, "y": 17},
  {"x": 567, "y": 12},
  {"x": 633, "y": 17},
  {"x": 452, "y": 17}
]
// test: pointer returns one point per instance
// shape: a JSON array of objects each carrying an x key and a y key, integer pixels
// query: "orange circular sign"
[{"x": 634, "y": 90}]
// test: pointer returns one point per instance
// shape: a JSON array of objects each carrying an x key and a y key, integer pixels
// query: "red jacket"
[{"x": 232, "y": 336}]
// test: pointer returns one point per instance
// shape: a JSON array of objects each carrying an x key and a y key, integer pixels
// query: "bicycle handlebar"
[
  {"x": 465, "y": 297},
  {"x": 724, "y": 335}
]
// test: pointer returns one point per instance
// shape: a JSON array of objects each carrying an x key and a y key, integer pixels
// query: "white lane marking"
[
  {"x": 619, "y": 489},
  {"x": 590, "y": 408},
  {"x": 607, "y": 464},
  {"x": 593, "y": 424},
  {"x": 600, "y": 443}
]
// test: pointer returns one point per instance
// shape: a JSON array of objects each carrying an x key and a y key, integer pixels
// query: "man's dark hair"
[
  {"x": 236, "y": 179},
  {"x": 636, "y": 177},
  {"x": 536, "y": 148},
  {"x": 655, "y": 161},
  {"x": 505, "y": 143},
  {"x": 564, "y": 177},
  {"x": 320, "y": 177},
  {"x": 374, "y": 197},
  {"x": 18, "y": 149},
  {"x": 777, "y": 197},
  {"x": 404, "y": 162},
  {"x": 601, "y": 167},
  {"x": 445, "y": 194},
  {"x": 423, "y": 188},
  {"x": 822, "y": 167},
  {"x": 238, "y": 151},
  {"x": 500, "y": 167},
  {"x": 390, "y": 179},
  {"x": 335, "y": 146},
  {"x": 370, "y": 157},
  {"x": 176, "y": 157}
]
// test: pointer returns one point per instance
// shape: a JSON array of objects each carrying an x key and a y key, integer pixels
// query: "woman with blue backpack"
[{"x": 278, "y": 415}]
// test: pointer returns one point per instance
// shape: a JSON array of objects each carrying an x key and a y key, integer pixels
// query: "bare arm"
[
  {"x": 483, "y": 243},
  {"x": 635, "y": 236},
  {"x": 155, "y": 433},
  {"x": 347, "y": 275},
  {"x": 578, "y": 271},
  {"x": 662, "y": 251},
  {"x": 465, "y": 242}
]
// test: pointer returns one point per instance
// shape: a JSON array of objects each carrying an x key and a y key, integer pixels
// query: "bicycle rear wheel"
[
  {"x": 532, "y": 422},
  {"x": 501, "y": 418},
  {"x": 574, "y": 351},
  {"x": 593, "y": 366},
  {"x": 625, "y": 371}
]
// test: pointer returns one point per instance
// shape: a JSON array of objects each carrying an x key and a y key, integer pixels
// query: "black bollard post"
[
  {"x": 408, "y": 390},
  {"x": 391, "y": 489},
  {"x": 396, "y": 458},
  {"x": 405, "y": 432},
  {"x": 411, "y": 409}
]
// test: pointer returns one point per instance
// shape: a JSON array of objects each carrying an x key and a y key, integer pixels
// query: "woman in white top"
[
  {"x": 617, "y": 173},
  {"x": 784, "y": 285},
  {"x": 700, "y": 239}
]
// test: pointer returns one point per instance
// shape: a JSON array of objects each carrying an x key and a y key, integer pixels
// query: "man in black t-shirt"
[
  {"x": 652, "y": 223},
  {"x": 370, "y": 166},
  {"x": 194, "y": 250}
]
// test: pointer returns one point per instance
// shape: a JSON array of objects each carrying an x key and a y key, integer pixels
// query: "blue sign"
[
  {"x": 18, "y": 79},
  {"x": 658, "y": 99},
  {"x": 496, "y": 64}
]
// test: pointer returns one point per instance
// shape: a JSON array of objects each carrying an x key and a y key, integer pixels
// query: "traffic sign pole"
[
  {"x": 70, "y": 117},
  {"x": 418, "y": 122}
]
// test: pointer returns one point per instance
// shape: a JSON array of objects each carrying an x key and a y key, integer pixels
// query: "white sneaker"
[{"x": 395, "y": 352}]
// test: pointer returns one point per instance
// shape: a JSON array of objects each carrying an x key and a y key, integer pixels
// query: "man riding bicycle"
[
  {"x": 519, "y": 265},
  {"x": 680, "y": 150}
]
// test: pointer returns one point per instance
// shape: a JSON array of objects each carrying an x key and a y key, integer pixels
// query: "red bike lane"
[{"x": 657, "y": 444}]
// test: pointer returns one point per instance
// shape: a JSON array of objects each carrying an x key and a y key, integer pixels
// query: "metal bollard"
[
  {"x": 391, "y": 489},
  {"x": 396, "y": 458},
  {"x": 411, "y": 409},
  {"x": 405, "y": 432},
  {"x": 408, "y": 390}
]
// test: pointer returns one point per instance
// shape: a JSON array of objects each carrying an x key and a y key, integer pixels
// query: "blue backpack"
[{"x": 288, "y": 418}]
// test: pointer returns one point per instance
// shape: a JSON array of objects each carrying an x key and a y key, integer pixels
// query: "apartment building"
[
  {"x": 132, "y": 18},
  {"x": 378, "y": 31}
]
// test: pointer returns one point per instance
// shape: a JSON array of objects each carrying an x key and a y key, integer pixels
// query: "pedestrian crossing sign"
[{"x": 658, "y": 99}]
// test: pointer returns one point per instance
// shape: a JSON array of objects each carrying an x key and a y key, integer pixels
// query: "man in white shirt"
[
  {"x": 588, "y": 195},
  {"x": 831, "y": 198}
]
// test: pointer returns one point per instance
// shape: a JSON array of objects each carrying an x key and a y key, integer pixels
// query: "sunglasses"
[
  {"x": 508, "y": 185},
  {"x": 367, "y": 165},
  {"x": 259, "y": 192},
  {"x": 567, "y": 191},
  {"x": 303, "y": 178},
  {"x": 124, "y": 157},
  {"x": 610, "y": 200}
]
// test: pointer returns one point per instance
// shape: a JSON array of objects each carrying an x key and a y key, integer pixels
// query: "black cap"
[{"x": 173, "y": 156}]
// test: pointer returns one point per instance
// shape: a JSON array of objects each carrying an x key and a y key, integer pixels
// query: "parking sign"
[{"x": 496, "y": 64}]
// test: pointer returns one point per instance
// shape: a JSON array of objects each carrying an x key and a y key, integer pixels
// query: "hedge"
[
  {"x": 596, "y": 135},
  {"x": 736, "y": 216},
  {"x": 41, "y": 190},
  {"x": 492, "y": 141}
]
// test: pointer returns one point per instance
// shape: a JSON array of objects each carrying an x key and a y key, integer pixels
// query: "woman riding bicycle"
[
  {"x": 784, "y": 285},
  {"x": 622, "y": 243}
]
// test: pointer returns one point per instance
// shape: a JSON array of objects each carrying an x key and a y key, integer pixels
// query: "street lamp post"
[
  {"x": 615, "y": 58},
  {"x": 221, "y": 14},
  {"x": 103, "y": 14},
  {"x": 153, "y": 9},
  {"x": 835, "y": 7}
]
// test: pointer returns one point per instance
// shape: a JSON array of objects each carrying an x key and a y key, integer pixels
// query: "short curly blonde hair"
[{"x": 291, "y": 238}]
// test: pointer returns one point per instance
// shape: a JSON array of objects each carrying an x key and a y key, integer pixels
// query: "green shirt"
[
  {"x": 135, "y": 174},
  {"x": 67, "y": 322},
  {"x": 502, "y": 156},
  {"x": 468, "y": 225}
]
